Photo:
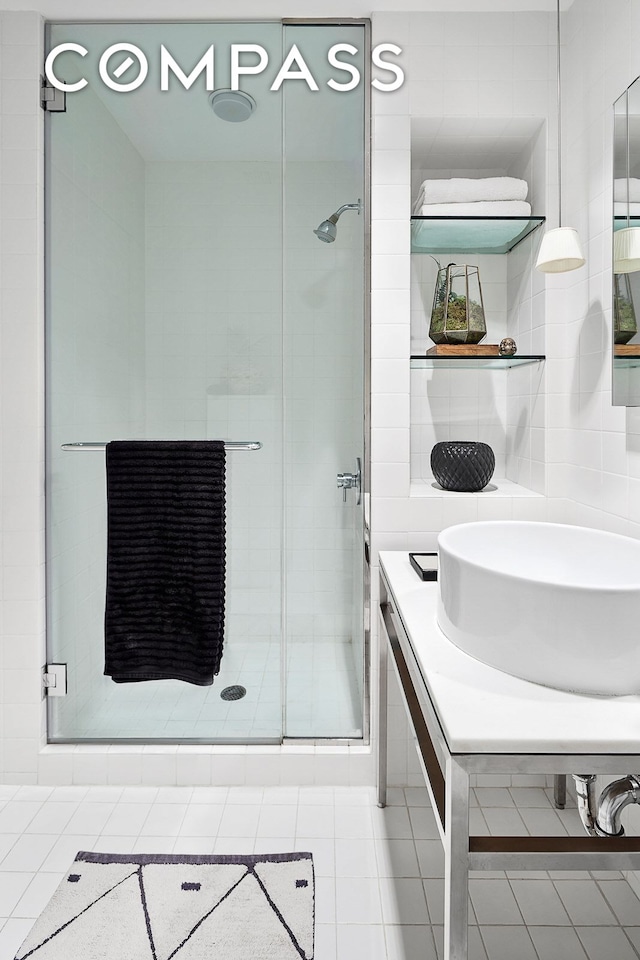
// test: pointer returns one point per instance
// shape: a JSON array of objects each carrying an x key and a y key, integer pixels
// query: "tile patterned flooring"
[{"x": 378, "y": 872}]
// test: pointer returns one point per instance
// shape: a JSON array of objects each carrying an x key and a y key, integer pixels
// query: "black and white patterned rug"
[{"x": 157, "y": 907}]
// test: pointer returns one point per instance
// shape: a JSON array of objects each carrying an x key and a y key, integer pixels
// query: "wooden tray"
[
  {"x": 626, "y": 350},
  {"x": 464, "y": 350}
]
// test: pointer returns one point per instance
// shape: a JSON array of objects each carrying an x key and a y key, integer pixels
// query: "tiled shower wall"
[{"x": 214, "y": 354}]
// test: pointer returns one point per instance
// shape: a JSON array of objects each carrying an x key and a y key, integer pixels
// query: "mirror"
[{"x": 626, "y": 248}]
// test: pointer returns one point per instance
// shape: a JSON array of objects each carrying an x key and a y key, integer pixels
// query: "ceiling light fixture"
[{"x": 560, "y": 250}]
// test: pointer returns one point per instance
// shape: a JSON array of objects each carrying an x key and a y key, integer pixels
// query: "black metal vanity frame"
[{"x": 447, "y": 779}]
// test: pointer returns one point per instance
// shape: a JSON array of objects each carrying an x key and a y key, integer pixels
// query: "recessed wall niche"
[{"x": 505, "y": 407}]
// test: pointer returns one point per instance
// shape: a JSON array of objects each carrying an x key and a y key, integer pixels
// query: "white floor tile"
[
  {"x": 584, "y": 903},
  {"x": 103, "y": 794},
  {"x": 277, "y": 820},
  {"x": 325, "y": 941},
  {"x": 325, "y": 900},
  {"x": 493, "y": 797},
  {"x": 16, "y": 816},
  {"x": 12, "y": 886},
  {"x": 174, "y": 795},
  {"x": 358, "y": 901},
  {"x": 153, "y": 844},
  {"x": 476, "y": 947},
  {"x": 409, "y": 942},
  {"x": 355, "y": 858},
  {"x": 430, "y": 858},
  {"x": 127, "y": 820},
  {"x": 30, "y": 793},
  {"x": 622, "y": 901},
  {"x": 494, "y": 902},
  {"x": 539, "y": 903},
  {"x": 68, "y": 794},
  {"x": 359, "y": 940},
  {"x": 353, "y": 822},
  {"x": 37, "y": 895},
  {"x": 392, "y": 822},
  {"x": 164, "y": 819},
  {"x": 506, "y": 943},
  {"x": 234, "y": 845},
  {"x": 423, "y": 823},
  {"x": 194, "y": 845},
  {"x": 397, "y": 858},
  {"x": 529, "y": 797},
  {"x": 201, "y": 819},
  {"x": 403, "y": 901},
  {"x": 12, "y": 935},
  {"x": 29, "y": 852},
  {"x": 558, "y": 943},
  {"x": 543, "y": 823},
  {"x": 323, "y": 850},
  {"x": 52, "y": 817},
  {"x": 239, "y": 820},
  {"x": 64, "y": 851},
  {"x": 7, "y": 840},
  {"x": 609, "y": 942},
  {"x": 417, "y": 797},
  {"x": 315, "y": 821},
  {"x": 138, "y": 795},
  {"x": 505, "y": 822},
  {"x": 89, "y": 818}
]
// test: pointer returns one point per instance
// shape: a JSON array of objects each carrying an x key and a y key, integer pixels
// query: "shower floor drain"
[{"x": 236, "y": 692}]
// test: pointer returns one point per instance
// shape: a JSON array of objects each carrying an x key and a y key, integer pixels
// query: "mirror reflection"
[{"x": 626, "y": 248}]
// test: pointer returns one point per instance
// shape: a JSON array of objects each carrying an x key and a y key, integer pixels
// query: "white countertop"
[{"x": 482, "y": 710}]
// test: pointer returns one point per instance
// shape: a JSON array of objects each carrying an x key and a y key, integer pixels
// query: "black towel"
[{"x": 164, "y": 615}]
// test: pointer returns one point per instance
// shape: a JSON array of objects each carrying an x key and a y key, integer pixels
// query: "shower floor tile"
[{"x": 323, "y": 700}]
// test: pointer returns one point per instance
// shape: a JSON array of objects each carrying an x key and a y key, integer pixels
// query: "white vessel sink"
[{"x": 556, "y": 604}]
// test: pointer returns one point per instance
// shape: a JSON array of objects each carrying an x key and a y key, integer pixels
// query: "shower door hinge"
[
  {"x": 54, "y": 680},
  {"x": 51, "y": 99}
]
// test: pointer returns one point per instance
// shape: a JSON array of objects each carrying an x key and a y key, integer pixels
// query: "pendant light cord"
[{"x": 559, "y": 99}]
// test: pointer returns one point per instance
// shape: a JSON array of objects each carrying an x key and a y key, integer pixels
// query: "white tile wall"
[{"x": 21, "y": 406}]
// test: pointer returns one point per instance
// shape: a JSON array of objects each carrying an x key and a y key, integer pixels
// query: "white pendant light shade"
[
  {"x": 626, "y": 250},
  {"x": 560, "y": 251}
]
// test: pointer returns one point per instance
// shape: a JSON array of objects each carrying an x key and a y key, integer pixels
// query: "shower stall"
[{"x": 188, "y": 298}]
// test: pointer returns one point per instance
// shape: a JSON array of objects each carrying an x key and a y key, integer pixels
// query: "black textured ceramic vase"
[{"x": 462, "y": 465}]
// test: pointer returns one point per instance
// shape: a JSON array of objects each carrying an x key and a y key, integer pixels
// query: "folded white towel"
[
  {"x": 624, "y": 209},
  {"x": 464, "y": 190},
  {"x": 620, "y": 190},
  {"x": 484, "y": 208}
]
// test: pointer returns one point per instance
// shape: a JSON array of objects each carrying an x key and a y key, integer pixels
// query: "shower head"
[
  {"x": 232, "y": 105},
  {"x": 328, "y": 228}
]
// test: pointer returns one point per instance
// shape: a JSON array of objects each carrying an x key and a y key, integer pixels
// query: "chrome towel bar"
[{"x": 229, "y": 445}]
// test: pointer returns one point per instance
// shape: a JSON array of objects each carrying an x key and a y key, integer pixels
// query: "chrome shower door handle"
[{"x": 348, "y": 480}]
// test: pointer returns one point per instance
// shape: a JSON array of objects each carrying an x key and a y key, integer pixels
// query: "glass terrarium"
[
  {"x": 457, "y": 315},
  {"x": 625, "y": 326}
]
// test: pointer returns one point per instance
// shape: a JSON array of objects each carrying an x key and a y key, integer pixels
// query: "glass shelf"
[
  {"x": 626, "y": 363},
  {"x": 621, "y": 223},
  {"x": 470, "y": 234},
  {"x": 473, "y": 363}
]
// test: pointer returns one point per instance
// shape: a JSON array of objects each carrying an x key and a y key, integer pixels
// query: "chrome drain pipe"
[
  {"x": 602, "y": 818},
  {"x": 587, "y": 801},
  {"x": 613, "y": 799}
]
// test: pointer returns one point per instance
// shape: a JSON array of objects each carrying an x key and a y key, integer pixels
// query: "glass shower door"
[
  {"x": 324, "y": 358},
  {"x": 164, "y": 321}
]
